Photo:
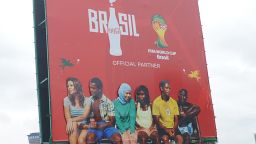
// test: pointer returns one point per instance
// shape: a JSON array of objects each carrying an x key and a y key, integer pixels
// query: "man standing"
[
  {"x": 102, "y": 115},
  {"x": 187, "y": 117},
  {"x": 165, "y": 113}
]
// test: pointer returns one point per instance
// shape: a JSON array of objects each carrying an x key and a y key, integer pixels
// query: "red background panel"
[{"x": 69, "y": 38}]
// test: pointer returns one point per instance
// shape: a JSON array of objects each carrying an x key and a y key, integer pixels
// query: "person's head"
[
  {"x": 165, "y": 89},
  {"x": 95, "y": 87},
  {"x": 74, "y": 89},
  {"x": 142, "y": 95},
  {"x": 73, "y": 86},
  {"x": 183, "y": 95},
  {"x": 124, "y": 93}
]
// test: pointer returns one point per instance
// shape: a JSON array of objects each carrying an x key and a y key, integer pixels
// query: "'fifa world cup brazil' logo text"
[{"x": 159, "y": 25}]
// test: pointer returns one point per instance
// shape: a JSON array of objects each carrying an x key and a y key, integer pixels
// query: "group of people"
[{"x": 125, "y": 120}]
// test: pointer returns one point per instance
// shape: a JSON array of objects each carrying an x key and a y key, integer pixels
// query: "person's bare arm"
[
  {"x": 170, "y": 131},
  {"x": 83, "y": 116},
  {"x": 193, "y": 111},
  {"x": 157, "y": 122},
  {"x": 69, "y": 126},
  {"x": 67, "y": 113},
  {"x": 176, "y": 123},
  {"x": 110, "y": 123}
]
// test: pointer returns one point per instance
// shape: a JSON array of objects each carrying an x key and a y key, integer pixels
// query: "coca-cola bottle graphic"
[{"x": 114, "y": 35}]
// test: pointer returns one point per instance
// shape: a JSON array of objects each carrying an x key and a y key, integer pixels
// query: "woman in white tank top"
[{"x": 144, "y": 123}]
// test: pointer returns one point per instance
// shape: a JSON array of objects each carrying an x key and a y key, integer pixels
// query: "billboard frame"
[
  {"x": 42, "y": 70},
  {"x": 42, "y": 73}
]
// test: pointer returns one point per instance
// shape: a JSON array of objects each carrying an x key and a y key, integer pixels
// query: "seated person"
[
  {"x": 102, "y": 116},
  {"x": 125, "y": 114},
  {"x": 145, "y": 126},
  {"x": 76, "y": 110},
  {"x": 187, "y": 117},
  {"x": 165, "y": 113}
]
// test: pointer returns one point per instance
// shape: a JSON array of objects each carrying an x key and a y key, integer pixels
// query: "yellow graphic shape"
[{"x": 194, "y": 75}]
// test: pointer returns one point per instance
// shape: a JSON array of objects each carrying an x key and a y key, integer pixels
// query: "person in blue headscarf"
[{"x": 125, "y": 114}]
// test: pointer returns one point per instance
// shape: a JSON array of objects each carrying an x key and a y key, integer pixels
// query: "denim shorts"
[{"x": 103, "y": 133}]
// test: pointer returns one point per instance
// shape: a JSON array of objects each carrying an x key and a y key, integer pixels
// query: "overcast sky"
[{"x": 229, "y": 28}]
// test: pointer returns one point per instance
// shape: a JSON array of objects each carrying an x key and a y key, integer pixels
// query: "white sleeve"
[{"x": 67, "y": 102}]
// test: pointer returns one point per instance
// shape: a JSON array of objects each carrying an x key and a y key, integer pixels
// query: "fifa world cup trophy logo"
[{"x": 159, "y": 25}]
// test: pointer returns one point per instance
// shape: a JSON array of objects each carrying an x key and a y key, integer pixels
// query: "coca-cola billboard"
[{"x": 136, "y": 41}]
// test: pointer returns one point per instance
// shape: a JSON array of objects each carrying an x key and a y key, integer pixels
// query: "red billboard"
[{"x": 133, "y": 41}]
